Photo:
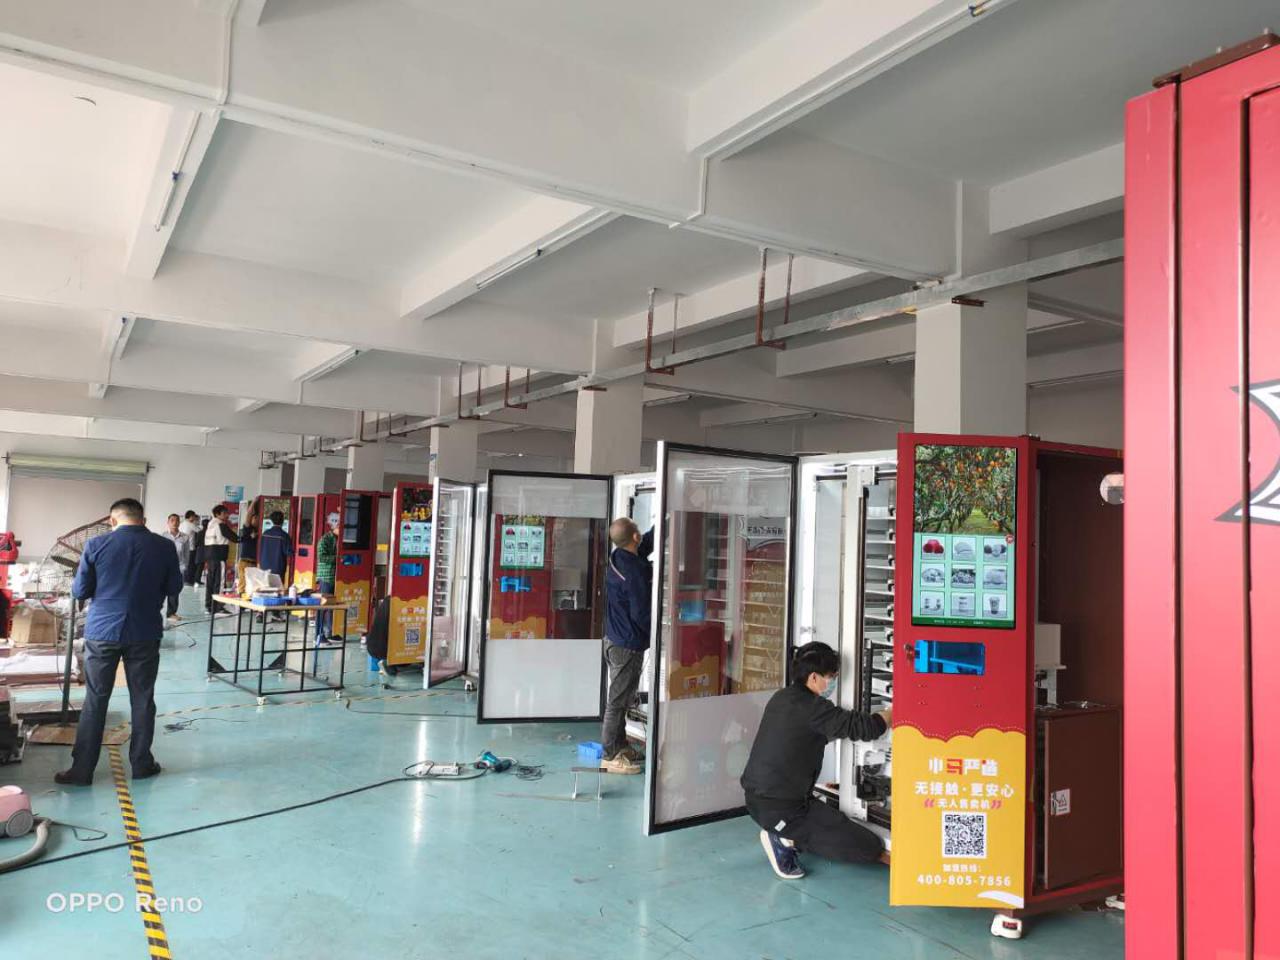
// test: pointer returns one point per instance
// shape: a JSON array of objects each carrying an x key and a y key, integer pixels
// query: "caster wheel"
[
  {"x": 1010, "y": 928},
  {"x": 469, "y": 686},
  {"x": 19, "y": 824},
  {"x": 262, "y": 701},
  {"x": 337, "y": 694}
]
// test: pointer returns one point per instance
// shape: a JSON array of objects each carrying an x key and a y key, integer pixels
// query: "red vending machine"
[
  {"x": 357, "y": 551},
  {"x": 520, "y": 587},
  {"x": 408, "y": 573},
  {"x": 1202, "y": 505},
  {"x": 307, "y": 526},
  {"x": 1007, "y": 676}
]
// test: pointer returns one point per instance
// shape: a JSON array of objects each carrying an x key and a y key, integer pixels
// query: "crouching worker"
[{"x": 786, "y": 760}]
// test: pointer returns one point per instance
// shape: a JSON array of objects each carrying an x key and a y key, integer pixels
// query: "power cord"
[
  {"x": 179, "y": 725},
  {"x": 75, "y": 829},
  {"x": 412, "y": 714}
]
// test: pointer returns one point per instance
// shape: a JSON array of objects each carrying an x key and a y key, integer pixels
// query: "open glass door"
[
  {"x": 450, "y": 580},
  {"x": 543, "y": 631},
  {"x": 722, "y": 601},
  {"x": 479, "y": 556}
]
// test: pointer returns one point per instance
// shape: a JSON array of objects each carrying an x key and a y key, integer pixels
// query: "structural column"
[
  {"x": 609, "y": 428},
  {"x": 971, "y": 365},
  {"x": 308, "y": 476},
  {"x": 454, "y": 451},
  {"x": 365, "y": 466},
  {"x": 269, "y": 482}
]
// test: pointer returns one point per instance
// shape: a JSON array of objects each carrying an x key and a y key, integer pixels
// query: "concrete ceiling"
[{"x": 1043, "y": 81}]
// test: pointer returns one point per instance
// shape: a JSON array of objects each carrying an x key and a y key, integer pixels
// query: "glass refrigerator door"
[
  {"x": 479, "y": 556},
  {"x": 450, "y": 580},
  {"x": 722, "y": 602},
  {"x": 543, "y": 629}
]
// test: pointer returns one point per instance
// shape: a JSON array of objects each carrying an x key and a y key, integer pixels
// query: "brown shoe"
[
  {"x": 620, "y": 763},
  {"x": 69, "y": 779}
]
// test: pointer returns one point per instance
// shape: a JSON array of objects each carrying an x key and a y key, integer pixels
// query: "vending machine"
[
  {"x": 267, "y": 505},
  {"x": 408, "y": 573},
  {"x": 1007, "y": 676},
  {"x": 308, "y": 525},
  {"x": 357, "y": 552}
]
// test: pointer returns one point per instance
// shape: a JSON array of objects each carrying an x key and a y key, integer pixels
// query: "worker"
[
  {"x": 275, "y": 546},
  {"x": 190, "y": 527},
  {"x": 628, "y": 586},
  {"x": 182, "y": 544},
  {"x": 126, "y": 574},
  {"x": 786, "y": 758},
  {"x": 218, "y": 537},
  {"x": 247, "y": 555},
  {"x": 326, "y": 567}
]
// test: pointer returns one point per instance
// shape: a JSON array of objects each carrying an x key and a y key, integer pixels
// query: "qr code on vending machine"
[{"x": 964, "y": 835}]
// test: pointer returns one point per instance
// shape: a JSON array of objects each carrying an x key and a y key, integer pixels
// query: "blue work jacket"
[
  {"x": 275, "y": 547},
  {"x": 628, "y": 586},
  {"x": 127, "y": 574}
]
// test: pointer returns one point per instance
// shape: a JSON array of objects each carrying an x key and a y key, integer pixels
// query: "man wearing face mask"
[{"x": 786, "y": 758}]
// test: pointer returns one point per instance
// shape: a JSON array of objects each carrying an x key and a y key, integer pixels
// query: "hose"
[{"x": 35, "y": 851}]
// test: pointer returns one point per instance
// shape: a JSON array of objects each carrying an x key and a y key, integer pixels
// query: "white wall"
[
  {"x": 1090, "y": 413},
  {"x": 181, "y": 477}
]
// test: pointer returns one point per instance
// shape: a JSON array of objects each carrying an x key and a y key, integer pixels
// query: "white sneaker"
[{"x": 173, "y": 621}]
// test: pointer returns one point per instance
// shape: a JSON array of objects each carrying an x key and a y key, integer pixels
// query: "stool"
[{"x": 598, "y": 771}]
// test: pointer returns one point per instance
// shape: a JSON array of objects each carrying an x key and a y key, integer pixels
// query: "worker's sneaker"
[
  {"x": 632, "y": 754},
  {"x": 173, "y": 621},
  {"x": 782, "y": 856},
  {"x": 620, "y": 763}
]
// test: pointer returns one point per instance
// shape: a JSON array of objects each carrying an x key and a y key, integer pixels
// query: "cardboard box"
[{"x": 33, "y": 628}]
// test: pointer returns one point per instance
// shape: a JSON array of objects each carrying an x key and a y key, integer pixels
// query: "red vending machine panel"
[
  {"x": 520, "y": 594},
  {"x": 357, "y": 551},
  {"x": 408, "y": 573},
  {"x": 306, "y": 525}
]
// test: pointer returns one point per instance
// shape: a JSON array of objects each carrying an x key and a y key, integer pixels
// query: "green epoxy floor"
[{"x": 494, "y": 868}]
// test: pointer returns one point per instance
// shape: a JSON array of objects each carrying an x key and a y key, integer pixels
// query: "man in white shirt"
[{"x": 182, "y": 544}]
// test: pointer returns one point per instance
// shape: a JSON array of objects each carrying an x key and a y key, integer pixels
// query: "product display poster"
[
  {"x": 966, "y": 504},
  {"x": 523, "y": 544}
]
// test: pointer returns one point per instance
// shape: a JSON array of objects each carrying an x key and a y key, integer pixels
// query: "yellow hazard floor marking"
[{"x": 157, "y": 939}]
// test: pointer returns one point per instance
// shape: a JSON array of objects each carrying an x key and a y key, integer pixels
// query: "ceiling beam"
[
  {"x": 539, "y": 227},
  {"x": 1074, "y": 366},
  {"x": 1078, "y": 189},
  {"x": 187, "y": 136},
  {"x": 819, "y": 56}
]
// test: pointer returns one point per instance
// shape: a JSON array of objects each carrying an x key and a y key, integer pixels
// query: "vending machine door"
[
  {"x": 450, "y": 595},
  {"x": 542, "y": 634},
  {"x": 722, "y": 593},
  {"x": 408, "y": 576}
]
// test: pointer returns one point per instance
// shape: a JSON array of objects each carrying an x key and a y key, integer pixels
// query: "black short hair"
[
  {"x": 173, "y": 516},
  {"x": 218, "y": 510},
  {"x": 191, "y": 515},
  {"x": 814, "y": 657},
  {"x": 130, "y": 507},
  {"x": 277, "y": 517}
]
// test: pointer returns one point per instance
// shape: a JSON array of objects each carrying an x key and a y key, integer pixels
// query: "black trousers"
[
  {"x": 212, "y": 581},
  {"x": 820, "y": 829},
  {"x": 171, "y": 605},
  {"x": 191, "y": 575},
  {"x": 141, "y": 664}
]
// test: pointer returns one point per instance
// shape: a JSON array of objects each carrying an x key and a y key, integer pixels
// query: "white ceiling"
[
  {"x": 75, "y": 164},
  {"x": 608, "y": 275},
  {"x": 673, "y": 43},
  {"x": 307, "y": 205},
  {"x": 1037, "y": 83}
]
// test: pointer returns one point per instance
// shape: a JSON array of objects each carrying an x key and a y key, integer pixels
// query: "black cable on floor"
[
  {"x": 225, "y": 823},
  {"x": 412, "y": 714},
  {"x": 179, "y": 725}
]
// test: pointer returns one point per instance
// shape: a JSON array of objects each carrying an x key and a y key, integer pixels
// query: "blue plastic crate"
[
  {"x": 308, "y": 601},
  {"x": 590, "y": 752},
  {"x": 271, "y": 601}
]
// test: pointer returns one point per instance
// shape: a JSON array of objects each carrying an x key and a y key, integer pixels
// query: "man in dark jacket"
[
  {"x": 275, "y": 546},
  {"x": 126, "y": 574},
  {"x": 628, "y": 586},
  {"x": 786, "y": 758},
  {"x": 218, "y": 537}
]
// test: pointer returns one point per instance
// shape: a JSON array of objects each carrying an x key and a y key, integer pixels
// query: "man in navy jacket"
[
  {"x": 127, "y": 574},
  {"x": 628, "y": 586}
]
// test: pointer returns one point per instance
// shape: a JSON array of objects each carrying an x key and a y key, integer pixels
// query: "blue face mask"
[{"x": 830, "y": 690}]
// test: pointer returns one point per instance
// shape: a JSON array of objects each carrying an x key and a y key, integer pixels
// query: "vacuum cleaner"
[{"x": 17, "y": 820}]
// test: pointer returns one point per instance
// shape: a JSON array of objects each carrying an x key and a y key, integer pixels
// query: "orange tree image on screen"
[{"x": 965, "y": 489}]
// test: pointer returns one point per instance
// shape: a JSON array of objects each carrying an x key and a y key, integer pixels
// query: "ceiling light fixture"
[{"x": 509, "y": 268}]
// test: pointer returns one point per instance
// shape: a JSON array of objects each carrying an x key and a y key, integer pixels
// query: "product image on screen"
[
  {"x": 964, "y": 524},
  {"x": 523, "y": 546},
  {"x": 415, "y": 538}
]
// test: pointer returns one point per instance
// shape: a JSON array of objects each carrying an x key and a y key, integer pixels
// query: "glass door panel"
[
  {"x": 723, "y": 594},
  {"x": 450, "y": 580}
]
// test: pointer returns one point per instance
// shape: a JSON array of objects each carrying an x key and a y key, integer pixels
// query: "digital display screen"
[
  {"x": 523, "y": 546},
  {"x": 965, "y": 503},
  {"x": 415, "y": 538}
]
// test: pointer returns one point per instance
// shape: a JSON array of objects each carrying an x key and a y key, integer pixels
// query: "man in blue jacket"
[
  {"x": 127, "y": 574},
  {"x": 628, "y": 586}
]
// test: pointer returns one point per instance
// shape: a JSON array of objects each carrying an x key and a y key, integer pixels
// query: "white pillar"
[
  {"x": 971, "y": 365},
  {"x": 308, "y": 476},
  {"x": 365, "y": 466},
  {"x": 269, "y": 482},
  {"x": 609, "y": 428},
  {"x": 453, "y": 451}
]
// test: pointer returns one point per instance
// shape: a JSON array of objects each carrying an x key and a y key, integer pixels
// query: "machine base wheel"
[
  {"x": 262, "y": 701},
  {"x": 1005, "y": 926}
]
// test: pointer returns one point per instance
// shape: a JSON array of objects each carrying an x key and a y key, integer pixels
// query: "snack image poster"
[{"x": 964, "y": 536}]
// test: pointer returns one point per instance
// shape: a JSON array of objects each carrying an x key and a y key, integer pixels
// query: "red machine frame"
[
  {"x": 939, "y": 712},
  {"x": 1202, "y": 407},
  {"x": 304, "y": 547},
  {"x": 354, "y": 573},
  {"x": 409, "y": 577}
]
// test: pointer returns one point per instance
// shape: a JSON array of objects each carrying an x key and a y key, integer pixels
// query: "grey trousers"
[
  {"x": 141, "y": 664},
  {"x": 624, "y": 680}
]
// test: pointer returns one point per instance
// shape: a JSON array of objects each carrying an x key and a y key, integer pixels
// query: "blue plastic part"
[{"x": 590, "y": 752}]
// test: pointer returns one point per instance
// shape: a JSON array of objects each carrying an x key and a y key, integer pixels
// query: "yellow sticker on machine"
[
  {"x": 356, "y": 594},
  {"x": 958, "y": 819}
]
